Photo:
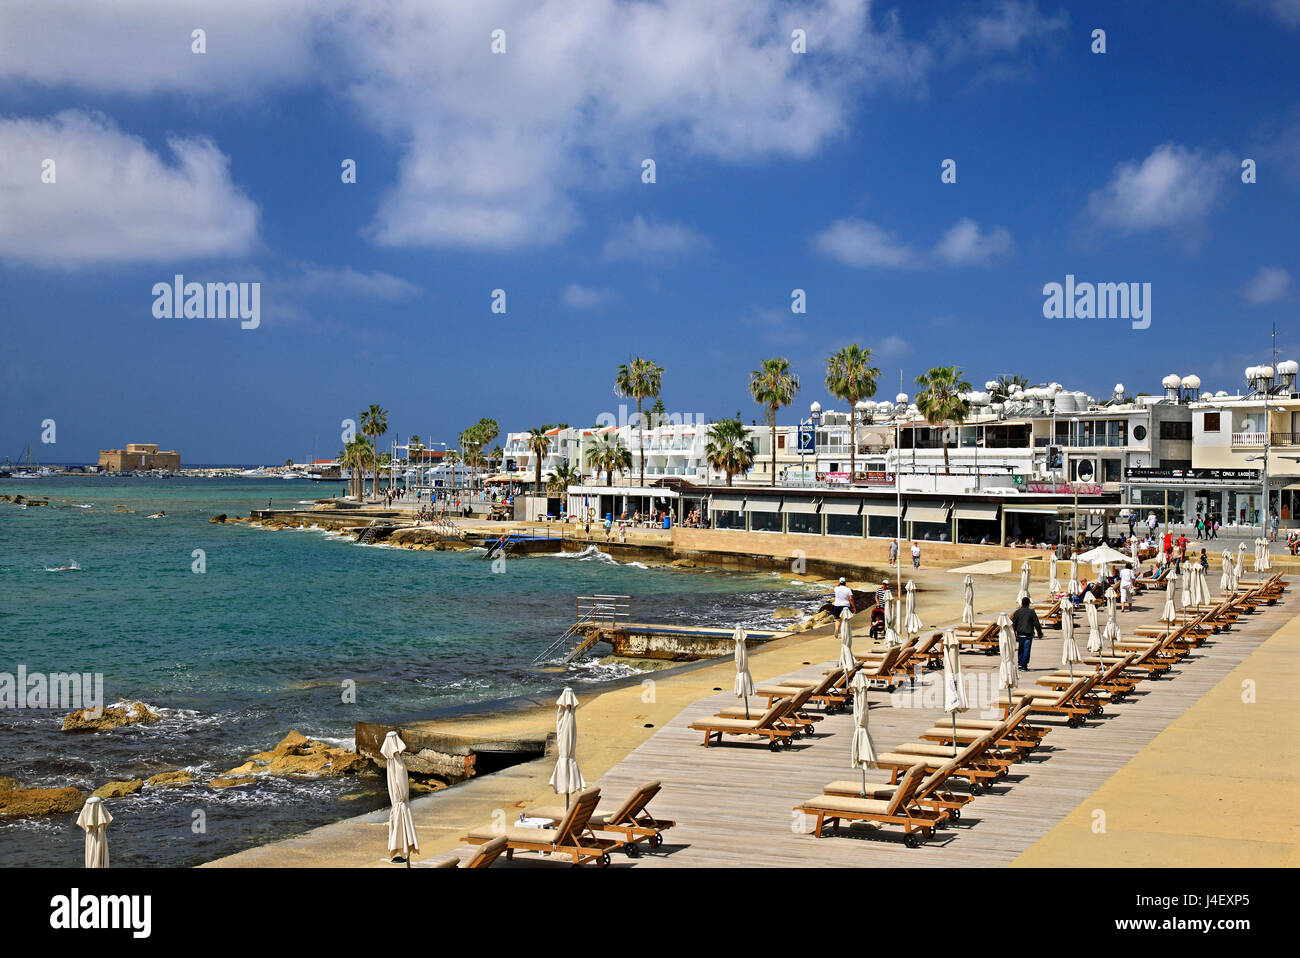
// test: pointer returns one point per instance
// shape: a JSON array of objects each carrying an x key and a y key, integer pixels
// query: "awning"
[
  {"x": 879, "y": 508},
  {"x": 763, "y": 504},
  {"x": 837, "y": 507},
  {"x": 728, "y": 503},
  {"x": 927, "y": 512},
  {"x": 803, "y": 506},
  {"x": 975, "y": 510},
  {"x": 1041, "y": 510}
]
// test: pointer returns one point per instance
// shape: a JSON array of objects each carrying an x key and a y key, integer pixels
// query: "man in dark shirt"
[{"x": 1025, "y": 624}]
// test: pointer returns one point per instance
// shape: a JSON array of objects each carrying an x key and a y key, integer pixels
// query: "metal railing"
[{"x": 590, "y": 610}]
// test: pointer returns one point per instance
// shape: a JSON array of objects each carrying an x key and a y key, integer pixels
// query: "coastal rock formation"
[
  {"x": 220, "y": 518},
  {"x": 27, "y": 802},
  {"x": 119, "y": 789},
  {"x": 296, "y": 754},
  {"x": 682, "y": 564},
  {"x": 9, "y": 784},
  {"x": 785, "y": 612},
  {"x": 112, "y": 716},
  {"x": 232, "y": 782},
  {"x": 167, "y": 779}
]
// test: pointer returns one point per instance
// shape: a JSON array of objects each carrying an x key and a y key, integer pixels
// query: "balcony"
[{"x": 1249, "y": 439}]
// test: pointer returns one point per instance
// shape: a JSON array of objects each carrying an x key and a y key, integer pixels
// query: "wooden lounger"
[
  {"x": 482, "y": 857},
  {"x": 1007, "y": 734},
  {"x": 800, "y": 722},
  {"x": 917, "y": 822},
  {"x": 827, "y": 691},
  {"x": 768, "y": 725},
  {"x": 569, "y": 838},
  {"x": 1111, "y": 680},
  {"x": 1073, "y": 702},
  {"x": 632, "y": 820},
  {"x": 932, "y": 793},
  {"x": 970, "y": 763}
]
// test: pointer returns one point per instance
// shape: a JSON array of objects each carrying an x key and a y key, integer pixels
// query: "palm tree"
[
  {"x": 564, "y": 476},
  {"x": 940, "y": 400},
  {"x": 729, "y": 448},
  {"x": 773, "y": 385},
  {"x": 849, "y": 376},
  {"x": 640, "y": 379},
  {"x": 356, "y": 457},
  {"x": 539, "y": 445},
  {"x": 608, "y": 454},
  {"x": 374, "y": 423},
  {"x": 1007, "y": 385}
]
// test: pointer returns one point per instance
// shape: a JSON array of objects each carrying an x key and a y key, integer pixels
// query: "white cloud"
[
  {"x": 144, "y": 46},
  {"x": 642, "y": 239},
  {"x": 1269, "y": 285},
  {"x": 999, "y": 32},
  {"x": 864, "y": 245},
  {"x": 1285, "y": 12},
  {"x": 576, "y": 296},
  {"x": 1174, "y": 188},
  {"x": 350, "y": 282},
  {"x": 966, "y": 245},
  {"x": 861, "y": 244},
  {"x": 494, "y": 148},
  {"x": 114, "y": 200},
  {"x": 891, "y": 346}
]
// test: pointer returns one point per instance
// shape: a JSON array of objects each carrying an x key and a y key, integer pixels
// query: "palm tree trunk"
[
  {"x": 774, "y": 445},
  {"x": 640, "y": 432},
  {"x": 853, "y": 445},
  {"x": 946, "y": 470}
]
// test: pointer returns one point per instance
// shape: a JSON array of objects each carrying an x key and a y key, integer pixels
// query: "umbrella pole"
[
  {"x": 954, "y": 734},
  {"x": 746, "y": 706},
  {"x": 864, "y": 780}
]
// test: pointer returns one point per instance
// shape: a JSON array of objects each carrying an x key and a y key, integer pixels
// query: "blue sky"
[{"x": 522, "y": 171}]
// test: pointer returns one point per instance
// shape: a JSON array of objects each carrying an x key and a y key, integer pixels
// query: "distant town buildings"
[{"x": 139, "y": 457}]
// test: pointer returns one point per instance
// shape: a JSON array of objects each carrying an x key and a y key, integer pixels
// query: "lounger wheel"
[
  {"x": 787, "y": 742},
  {"x": 656, "y": 841},
  {"x": 630, "y": 850},
  {"x": 1072, "y": 721},
  {"x": 912, "y": 839},
  {"x": 976, "y": 788},
  {"x": 603, "y": 861},
  {"x": 772, "y": 744},
  {"x": 956, "y": 814}
]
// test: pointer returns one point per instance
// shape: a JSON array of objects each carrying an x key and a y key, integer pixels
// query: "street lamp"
[
  {"x": 814, "y": 417},
  {"x": 900, "y": 410}
]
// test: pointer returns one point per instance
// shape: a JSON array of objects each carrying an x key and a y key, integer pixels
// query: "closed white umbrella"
[
  {"x": 94, "y": 820},
  {"x": 1111, "y": 632},
  {"x": 1202, "y": 585},
  {"x": 1266, "y": 556},
  {"x": 954, "y": 689},
  {"x": 1240, "y": 567},
  {"x": 567, "y": 777},
  {"x": 891, "y": 614},
  {"x": 1073, "y": 585},
  {"x": 1185, "y": 596},
  {"x": 1133, "y": 551},
  {"x": 401, "y": 827},
  {"x": 744, "y": 686},
  {"x": 968, "y": 607},
  {"x": 1024, "y": 581},
  {"x": 1070, "y": 648},
  {"x": 845, "y": 625},
  {"x": 1171, "y": 588},
  {"x": 1053, "y": 583},
  {"x": 1007, "y": 672},
  {"x": 911, "y": 621},
  {"x": 1226, "y": 585},
  {"x": 863, "y": 753}
]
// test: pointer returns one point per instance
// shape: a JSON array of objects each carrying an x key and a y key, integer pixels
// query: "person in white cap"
[
  {"x": 882, "y": 592},
  {"x": 843, "y": 599}
]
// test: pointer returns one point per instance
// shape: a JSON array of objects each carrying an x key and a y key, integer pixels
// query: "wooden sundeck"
[{"x": 733, "y": 806}]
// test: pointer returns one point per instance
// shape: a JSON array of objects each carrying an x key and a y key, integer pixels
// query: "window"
[
  {"x": 1175, "y": 430},
  {"x": 780, "y": 442},
  {"x": 765, "y": 521},
  {"x": 809, "y": 523},
  {"x": 1210, "y": 423},
  {"x": 882, "y": 527},
  {"x": 727, "y": 519},
  {"x": 1139, "y": 433},
  {"x": 1110, "y": 470},
  {"x": 844, "y": 525}
]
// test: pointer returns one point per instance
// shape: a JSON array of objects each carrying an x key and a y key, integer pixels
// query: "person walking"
[
  {"x": 1025, "y": 624},
  {"x": 893, "y": 551},
  {"x": 916, "y": 555},
  {"x": 1126, "y": 587},
  {"x": 843, "y": 599}
]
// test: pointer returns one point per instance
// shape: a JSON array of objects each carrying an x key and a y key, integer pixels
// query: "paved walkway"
[{"x": 1214, "y": 789}]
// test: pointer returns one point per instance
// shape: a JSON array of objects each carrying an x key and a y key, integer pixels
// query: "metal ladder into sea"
[{"x": 590, "y": 610}]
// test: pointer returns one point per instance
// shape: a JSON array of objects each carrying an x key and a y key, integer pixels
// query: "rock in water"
[
  {"x": 232, "y": 782},
  {"x": 785, "y": 612},
  {"x": 111, "y": 716},
  {"x": 178, "y": 777},
  {"x": 9, "y": 784},
  {"x": 119, "y": 789},
  {"x": 220, "y": 518},
  {"x": 25, "y": 802}
]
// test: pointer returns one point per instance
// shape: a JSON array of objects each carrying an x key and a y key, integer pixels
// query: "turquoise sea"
[{"x": 263, "y": 641}]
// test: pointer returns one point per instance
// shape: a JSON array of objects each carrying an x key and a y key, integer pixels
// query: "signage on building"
[
  {"x": 1204, "y": 475},
  {"x": 1066, "y": 488},
  {"x": 807, "y": 439}
]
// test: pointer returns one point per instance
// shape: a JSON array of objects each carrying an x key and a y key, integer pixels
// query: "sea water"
[{"x": 271, "y": 636}]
